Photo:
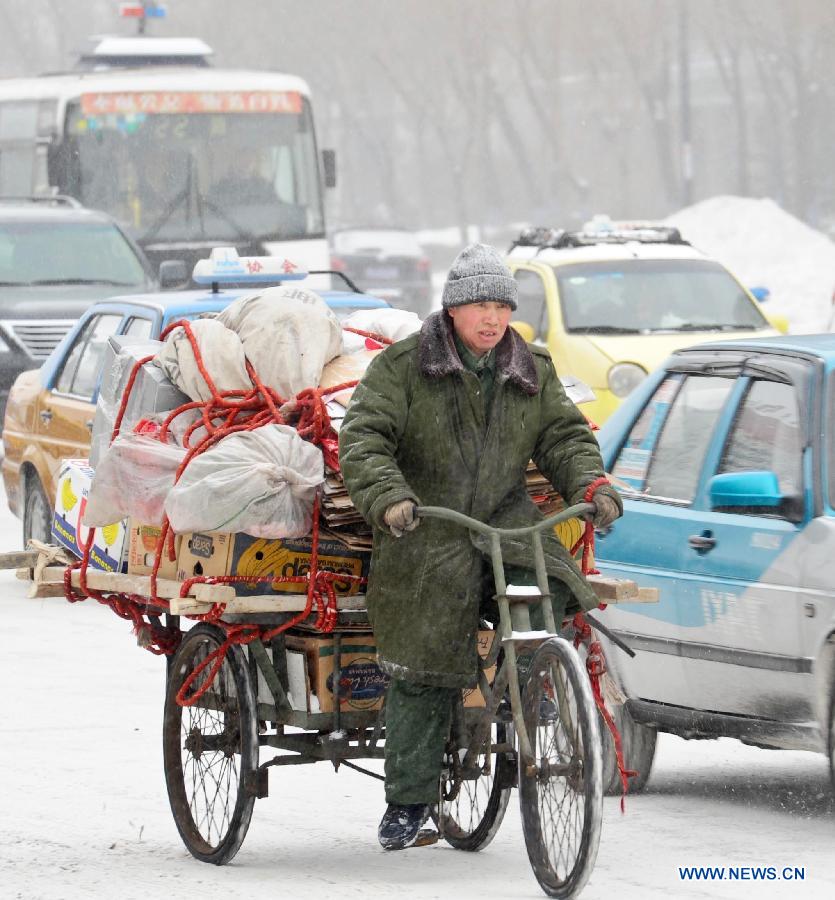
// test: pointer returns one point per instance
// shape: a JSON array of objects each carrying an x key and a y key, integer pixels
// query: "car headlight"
[{"x": 623, "y": 378}]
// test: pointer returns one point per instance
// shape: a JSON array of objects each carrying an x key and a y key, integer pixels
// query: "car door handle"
[
  {"x": 46, "y": 416},
  {"x": 702, "y": 542},
  {"x": 89, "y": 424}
]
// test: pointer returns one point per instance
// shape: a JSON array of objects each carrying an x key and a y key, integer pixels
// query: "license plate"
[{"x": 381, "y": 272}]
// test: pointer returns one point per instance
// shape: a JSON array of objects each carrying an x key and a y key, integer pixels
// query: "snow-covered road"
[{"x": 85, "y": 812}]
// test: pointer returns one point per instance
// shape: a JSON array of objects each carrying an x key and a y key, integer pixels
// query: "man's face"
[{"x": 480, "y": 325}]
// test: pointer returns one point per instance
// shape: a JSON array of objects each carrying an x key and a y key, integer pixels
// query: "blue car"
[
  {"x": 726, "y": 460},
  {"x": 50, "y": 411}
]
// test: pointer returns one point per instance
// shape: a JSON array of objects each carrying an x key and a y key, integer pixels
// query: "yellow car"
[{"x": 613, "y": 301}]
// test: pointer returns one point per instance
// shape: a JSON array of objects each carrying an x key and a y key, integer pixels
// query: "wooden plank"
[
  {"x": 263, "y": 603},
  {"x": 614, "y": 590},
  {"x": 19, "y": 559},
  {"x": 648, "y": 595}
]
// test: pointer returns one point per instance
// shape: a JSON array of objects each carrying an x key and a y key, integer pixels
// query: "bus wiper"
[
  {"x": 602, "y": 329},
  {"x": 43, "y": 281}
]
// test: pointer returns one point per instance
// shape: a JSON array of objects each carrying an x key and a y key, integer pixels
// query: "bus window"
[
  {"x": 198, "y": 173},
  {"x": 18, "y": 132}
]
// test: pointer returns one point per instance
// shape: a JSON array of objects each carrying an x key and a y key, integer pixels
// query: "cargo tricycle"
[{"x": 232, "y": 691}]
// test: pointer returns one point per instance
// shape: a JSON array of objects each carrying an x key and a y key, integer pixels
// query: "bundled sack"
[
  {"x": 262, "y": 482},
  {"x": 288, "y": 334},
  {"x": 133, "y": 479},
  {"x": 394, "y": 324},
  {"x": 222, "y": 353}
]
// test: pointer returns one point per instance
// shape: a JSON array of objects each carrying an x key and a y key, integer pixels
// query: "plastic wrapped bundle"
[
  {"x": 132, "y": 479},
  {"x": 262, "y": 482}
]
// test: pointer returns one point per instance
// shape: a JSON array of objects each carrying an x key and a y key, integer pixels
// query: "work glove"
[
  {"x": 606, "y": 510},
  {"x": 400, "y": 517}
]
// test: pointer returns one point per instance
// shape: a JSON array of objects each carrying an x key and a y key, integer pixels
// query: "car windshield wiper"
[
  {"x": 602, "y": 329},
  {"x": 43, "y": 281}
]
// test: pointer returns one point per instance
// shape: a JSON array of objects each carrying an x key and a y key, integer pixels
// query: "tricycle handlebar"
[{"x": 450, "y": 515}]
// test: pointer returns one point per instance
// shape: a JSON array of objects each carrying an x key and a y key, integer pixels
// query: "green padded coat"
[{"x": 416, "y": 428}]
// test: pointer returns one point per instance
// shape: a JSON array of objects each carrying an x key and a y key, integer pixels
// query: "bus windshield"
[{"x": 194, "y": 170}]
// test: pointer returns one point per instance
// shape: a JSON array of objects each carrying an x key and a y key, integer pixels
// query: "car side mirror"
[
  {"x": 329, "y": 167},
  {"x": 172, "y": 274},
  {"x": 525, "y": 329},
  {"x": 754, "y": 492}
]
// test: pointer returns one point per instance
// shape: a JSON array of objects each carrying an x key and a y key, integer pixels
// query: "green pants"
[{"x": 418, "y": 715}]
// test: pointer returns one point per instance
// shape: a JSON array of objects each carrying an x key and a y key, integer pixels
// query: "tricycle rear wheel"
[
  {"x": 471, "y": 819},
  {"x": 210, "y": 749}
]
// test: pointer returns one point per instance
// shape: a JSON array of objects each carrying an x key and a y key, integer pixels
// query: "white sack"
[
  {"x": 394, "y": 324},
  {"x": 288, "y": 333},
  {"x": 133, "y": 479},
  {"x": 222, "y": 353},
  {"x": 261, "y": 482}
]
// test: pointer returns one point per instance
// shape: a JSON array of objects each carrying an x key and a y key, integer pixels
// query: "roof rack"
[
  {"x": 51, "y": 199},
  {"x": 600, "y": 230}
]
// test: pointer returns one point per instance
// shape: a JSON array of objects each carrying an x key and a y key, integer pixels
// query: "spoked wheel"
[
  {"x": 561, "y": 789},
  {"x": 471, "y": 817},
  {"x": 210, "y": 749}
]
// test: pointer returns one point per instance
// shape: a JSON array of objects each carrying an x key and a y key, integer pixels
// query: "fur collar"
[{"x": 437, "y": 356}]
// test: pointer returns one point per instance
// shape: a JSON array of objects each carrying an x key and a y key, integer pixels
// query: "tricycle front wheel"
[
  {"x": 561, "y": 788},
  {"x": 210, "y": 749}
]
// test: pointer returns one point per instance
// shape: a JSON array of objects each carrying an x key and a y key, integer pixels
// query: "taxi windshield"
[
  {"x": 223, "y": 176},
  {"x": 639, "y": 296}
]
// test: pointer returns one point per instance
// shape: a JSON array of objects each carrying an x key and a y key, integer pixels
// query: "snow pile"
[{"x": 764, "y": 245}]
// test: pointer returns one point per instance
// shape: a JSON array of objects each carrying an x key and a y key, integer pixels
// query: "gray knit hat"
[{"x": 478, "y": 274}]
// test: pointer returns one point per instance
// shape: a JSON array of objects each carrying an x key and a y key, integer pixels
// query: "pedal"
[{"x": 426, "y": 837}]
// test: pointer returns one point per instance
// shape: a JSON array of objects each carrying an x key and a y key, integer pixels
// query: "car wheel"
[
  {"x": 37, "y": 512},
  {"x": 638, "y": 743}
]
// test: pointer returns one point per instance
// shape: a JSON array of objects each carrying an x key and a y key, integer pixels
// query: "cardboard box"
[
  {"x": 362, "y": 682},
  {"x": 218, "y": 553},
  {"x": 142, "y": 547},
  {"x": 109, "y": 549},
  {"x": 484, "y": 641}
]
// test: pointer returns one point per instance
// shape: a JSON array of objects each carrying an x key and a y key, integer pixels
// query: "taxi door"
[
  {"x": 741, "y": 651},
  {"x": 658, "y": 470}
]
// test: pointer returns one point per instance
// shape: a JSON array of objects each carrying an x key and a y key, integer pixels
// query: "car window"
[
  {"x": 663, "y": 455},
  {"x": 766, "y": 435},
  {"x": 80, "y": 373},
  {"x": 138, "y": 327},
  {"x": 50, "y": 252},
  {"x": 531, "y": 301}
]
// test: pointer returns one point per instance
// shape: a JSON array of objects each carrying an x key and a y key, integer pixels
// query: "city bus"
[{"x": 185, "y": 156}]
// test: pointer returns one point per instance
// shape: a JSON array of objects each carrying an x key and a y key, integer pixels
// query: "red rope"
[
  {"x": 227, "y": 412},
  {"x": 595, "y": 660}
]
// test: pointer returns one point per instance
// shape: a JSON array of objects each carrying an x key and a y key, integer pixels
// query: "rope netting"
[{"x": 225, "y": 413}]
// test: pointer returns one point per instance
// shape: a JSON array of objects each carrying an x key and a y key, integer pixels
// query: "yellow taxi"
[{"x": 614, "y": 300}]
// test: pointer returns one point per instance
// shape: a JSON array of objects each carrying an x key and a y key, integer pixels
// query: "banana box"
[
  {"x": 109, "y": 549},
  {"x": 143, "y": 541},
  {"x": 219, "y": 553}
]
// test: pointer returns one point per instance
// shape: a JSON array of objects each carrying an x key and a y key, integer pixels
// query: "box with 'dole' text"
[{"x": 218, "y": 553}]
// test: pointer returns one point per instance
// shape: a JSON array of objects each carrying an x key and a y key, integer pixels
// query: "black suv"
[{"x": 56, "y": 258}]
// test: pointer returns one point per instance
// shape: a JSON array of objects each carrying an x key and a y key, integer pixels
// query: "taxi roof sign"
[{"x": 224, "y": 266}]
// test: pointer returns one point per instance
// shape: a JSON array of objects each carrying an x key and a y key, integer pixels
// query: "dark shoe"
[{"x": 401, "y": 825}]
